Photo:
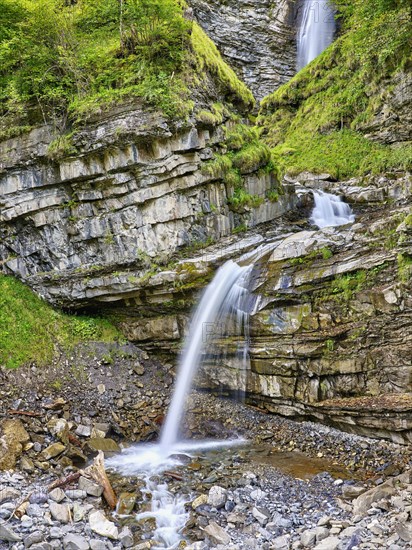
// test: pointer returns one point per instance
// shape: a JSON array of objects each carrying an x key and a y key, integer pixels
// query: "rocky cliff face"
[
  {"x": 93, "y": 226},
  {"x": 332, "y": 336},
  {"x": 258, "y": 39}
]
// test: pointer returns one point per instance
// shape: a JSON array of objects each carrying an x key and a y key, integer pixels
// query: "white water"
[
  {"x": 222, "y": 296},
  {"x": 330, "y": 210},
  {"x": 224, "y": 302},
  {"x": 316, "y": 30}
]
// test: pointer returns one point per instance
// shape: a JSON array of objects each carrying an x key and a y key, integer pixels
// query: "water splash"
[
  {"x": 330, "y": 210},
  {"x": 316, "y": 30}
]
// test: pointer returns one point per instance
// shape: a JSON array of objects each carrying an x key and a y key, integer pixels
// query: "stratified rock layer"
[
  {"x": 85, "y": 229},
  {"x": 257, "y": 39}
]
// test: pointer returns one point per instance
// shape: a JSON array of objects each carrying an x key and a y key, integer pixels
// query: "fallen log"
[{"x": 97, "y": 472}]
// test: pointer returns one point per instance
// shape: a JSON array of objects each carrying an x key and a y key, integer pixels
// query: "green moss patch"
[{"x": 31, "y": 330}]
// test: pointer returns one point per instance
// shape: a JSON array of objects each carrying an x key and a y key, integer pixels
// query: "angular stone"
[
  {"x": 217, "y": 534},
  {"x": 350, "y": 492},
  {"x": 404, "y": 531},
  {"x": 7, "y": 534},
  {"x": 92, "y": 488},
  {"x": 8, "y": 493},
  {"x": 33, "y": 538},
  {"x": 14, "y": 436},
  {"x": 126, "y": 537},
  {"x": 75, "y": 542},
  {"x": 103, "y": 444},
  {"x": 96, "y": 544},
  {"x": 102, "y": 526},
  {"x": 362, "y": 504},
  {"x": 330, "y": 543},
  {"x": 57, "y": 494},
  {"x": 83, "y": 431},
  {"x": 52, "y": 451},
  {"x": 308, "y": 537},
  {"x": 281, "y": 543},
  {"x": 60, "y": 512},
  {"x": 261, "y": 514},
  {"x": 217, "y": 496}
]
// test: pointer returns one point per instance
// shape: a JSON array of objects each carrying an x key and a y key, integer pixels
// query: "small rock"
[
  {"x": 7, "y": 534},
  {"x": 56, "y": 533},
  {"x": 33, "y": 538},
  {"x": 350, "y": 492},
  {"x": 261, "y": 514},
  {"x": 57, "y": 495},
  {"x": 126, "y": 537},
  {"x": 102, "y": 526},
  {"x": 308, "y": 537},
  {"x": 217, "y": 497},
  {"x": 79, "y": 512},
  {"x": 362, "y": 504},
  {"x": 330, "y": 543},
  {"x": 60, "y": 512},
  {"x": 126, "y": 503},
  {"x": 92, "y": 488},
  {"x": 75, "y": 542},
  {"x": 404, "y": 530},
  {"x": 103, "y": 444},
  {"x": 199, "y": 501},
  {"x": 76, "y": 494},
  {"x": 83, "y": 431},
  {"x": 217, "y": 534},
  {"x": 8, "y": 493},
  {"x": 52, "y": 451},
  {"x": 281, "y": 543},
  {"x": 96, "y": 544}
]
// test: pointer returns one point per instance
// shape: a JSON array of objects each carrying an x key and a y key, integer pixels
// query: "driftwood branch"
[
  {"x": 64, "y": 481},
  {"x": 97, "y": 472}
]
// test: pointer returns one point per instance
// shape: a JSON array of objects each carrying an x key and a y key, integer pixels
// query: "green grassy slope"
[
  {"x": 61, "y": 61},
  {"x": 30, "y": 329},
  {"x": 314, "y": 122}
]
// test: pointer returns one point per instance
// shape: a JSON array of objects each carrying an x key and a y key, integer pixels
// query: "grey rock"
[
  {"x": 217, "y": 496},
  {"x": 7, "y": 534},
  {"x": 8, "y": 493},
  {"x": 217, "y": 534},
  {"x": 75, "y": 542},
  {"x": 92, "y": 488},
  {"x": 33, "y": 538},
  {"x": 35, "y": 511},
  {"x": 404, "y": 531},
  {"x": 308, "y": 537},
  {"x": 126, "y": 537},
  {"x": 56, "y": 533},
  {"x": 364, "y": 502},
  {"x": 330, "y": 543},
  {"x": 281, "y": 543},
  {"x": 96, "y": 544},
  {"x": 57, "y": 494},
  {"x": 84, "y": 431},
  {"x": 60, "y": 512},
  {"x": 261, "y": 514}
]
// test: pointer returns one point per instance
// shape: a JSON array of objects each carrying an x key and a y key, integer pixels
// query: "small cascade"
[
  {"x": 330, "y": 210},
  {"x": 316, "y": 30}
]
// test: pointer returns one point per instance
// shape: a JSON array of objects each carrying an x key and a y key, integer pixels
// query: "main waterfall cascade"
[
  {"x": 316, "y": 31},
  {"x": 224, "y": 307},
  {"x": 330, "y": 210}
]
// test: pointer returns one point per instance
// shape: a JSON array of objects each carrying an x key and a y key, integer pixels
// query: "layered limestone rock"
[
  {"x": 332, "y": 335},
  {"x": 92, "y": 227},
  {"x": 257, "y": 39}
]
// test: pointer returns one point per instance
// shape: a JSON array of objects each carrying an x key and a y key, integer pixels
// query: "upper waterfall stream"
[
  {"x": 316, "y": 30},
  {"x": 330, "y": 210}
]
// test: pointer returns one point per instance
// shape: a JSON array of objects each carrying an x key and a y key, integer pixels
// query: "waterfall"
[
  {"x": 330, "y": 210},
  {"x": 316, "y": 30},
  {"x": 222, "y": 302}
]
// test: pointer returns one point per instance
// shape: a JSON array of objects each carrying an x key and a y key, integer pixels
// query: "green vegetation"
[
  {"x": 404, "y": 267},
  {"x": 315, "y": 121},
  {"x": 62, "y": 62},
  {"x": 30, "y": 329},
  {"x": 243, "y": 152}
]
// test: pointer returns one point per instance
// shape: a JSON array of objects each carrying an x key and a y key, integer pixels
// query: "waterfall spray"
[{"x": 330, "y": 210}]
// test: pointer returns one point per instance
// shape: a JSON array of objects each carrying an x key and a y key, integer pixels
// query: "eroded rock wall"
[
  {"x": 332, "y": 337},
  {"x": 88, "y": 228},
  {"x": 257, "y": 39}
]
